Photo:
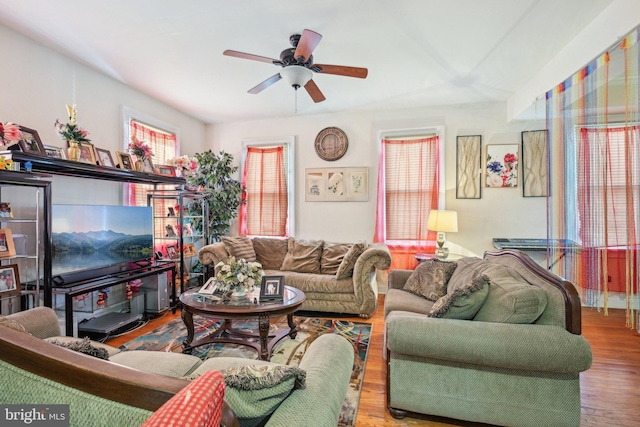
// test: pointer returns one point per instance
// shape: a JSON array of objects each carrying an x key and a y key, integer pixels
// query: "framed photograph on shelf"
[
  {"x": 87, "y": 153},
  {"x": 104, "y": 158},
  {"x": 165, "y": 170},
  {"x": 124, "y": 160},
  {"x": 272, "y": 288},
  {"x": 30, "y": 141},
  {"x": 189, "y": 250},
  {"x": 147, "y": 166},
  {"x": 5, "y": 210},
  {"x": 55, "y": 152},
  {"x": 7, "y": 249},
  {"x": 534, "y": 163},
  {"x": 501, "y": 170},
  {"x": 9, "y": 280},
  {"x": 469, "y": 167},
  {"x": 172, "y": 251}
]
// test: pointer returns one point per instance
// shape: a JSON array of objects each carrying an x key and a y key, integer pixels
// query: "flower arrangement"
[
  {"x": 71, "y": 131},
  {"x": 139, "y": 148},
  {"x": 9, "y": 133},
  {"x": 185, "y": 164},
  {"x": 238, "y": 274}
]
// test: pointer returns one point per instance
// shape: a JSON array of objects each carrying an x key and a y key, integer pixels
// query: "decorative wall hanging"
[
  {"x": 534, "y": 163},
  {"x": 468, "y": 167},
  {"x": 502, "y": 166},
  {"x": 337, "y": 185},
  {"x": 331, "y": 144}
]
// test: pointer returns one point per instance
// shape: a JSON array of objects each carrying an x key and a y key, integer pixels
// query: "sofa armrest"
[
  {"x": 213, "y": 254},
  {"x": 41, "y": 322},
  {"x": 376, "y": 256},
  {"x": 397, "y": 278},
  {"x": 328, "y": 363},
  {"x": 528, "y": 347}
]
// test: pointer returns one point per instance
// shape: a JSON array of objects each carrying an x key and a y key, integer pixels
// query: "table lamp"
[{"x": 442, "y": 222}]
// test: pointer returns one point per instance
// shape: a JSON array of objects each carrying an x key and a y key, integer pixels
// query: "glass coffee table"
[{"x": 230, "y": 309}]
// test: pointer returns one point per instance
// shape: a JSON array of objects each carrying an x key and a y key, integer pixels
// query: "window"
[
  {"x": 267, "y": 178},
  {"x": 410, "y": 183}
]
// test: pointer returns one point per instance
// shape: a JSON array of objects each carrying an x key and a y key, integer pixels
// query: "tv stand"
[{"x": 73, "y": 289}]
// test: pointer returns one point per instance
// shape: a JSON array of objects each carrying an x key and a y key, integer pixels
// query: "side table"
[{"x": 450, "y": 257}]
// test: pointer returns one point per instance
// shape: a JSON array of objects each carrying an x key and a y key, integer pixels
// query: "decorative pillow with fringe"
[
  {"x": 429, "y": 279},
  {"x": 462, "y": 303},
  {"x": 85, "y": 347}
]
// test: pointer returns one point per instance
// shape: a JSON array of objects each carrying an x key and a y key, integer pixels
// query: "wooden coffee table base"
[{"x": 227, "y": 334}]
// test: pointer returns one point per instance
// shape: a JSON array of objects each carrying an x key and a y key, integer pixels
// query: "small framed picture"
[
  {"x": 7, "y": 249},
  {"x": 165, "y": 170},
  {"x": 272, "y": 288},
  {"x": 87, "y": 153},
  {"x": 9, "y": 280},
  {"x": 171, "y": 211},
  {"x": 56, "y": 152},
  {"x": 172, "y": 251},
  {"x": 189, "y": 250},
  {"x": 5, "y": 210},
  {"x": 209, "y": 287},
  {"x": 147, "y": 166},
  {"x": 30, "y": 141},
  {"x": 124, "y": 160},
  {"x": 104, "y": 158}
]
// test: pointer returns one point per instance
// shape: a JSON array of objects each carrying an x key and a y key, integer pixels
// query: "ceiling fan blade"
[
  {"x": 243, "y": 55},
  {"x": 339, "y": 70},
  {"x": 307, "y": 44},
  {"x": 314, "y": 92},
  {"x": 265, "y": 84}
]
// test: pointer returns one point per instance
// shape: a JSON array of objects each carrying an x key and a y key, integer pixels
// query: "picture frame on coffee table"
[{"x": 272, "y": 288}]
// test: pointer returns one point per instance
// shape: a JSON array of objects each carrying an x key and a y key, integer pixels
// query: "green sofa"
[
  {"x": 513, "y": 371},
  {"x": 126, "y": 389}
]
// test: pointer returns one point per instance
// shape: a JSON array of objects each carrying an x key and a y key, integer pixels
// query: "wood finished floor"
[{"x": 610, "y": 389}]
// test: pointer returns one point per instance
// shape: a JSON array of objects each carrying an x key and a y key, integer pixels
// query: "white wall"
[
  {"x": 499, "y": 213},
  {"x": 36, "y": 84}
]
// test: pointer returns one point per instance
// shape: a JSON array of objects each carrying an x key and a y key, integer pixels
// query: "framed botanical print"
[{"x": 501, "y": 169}]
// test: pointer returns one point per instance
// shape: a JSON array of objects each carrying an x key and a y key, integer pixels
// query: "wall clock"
[{"x": 331, "y": 144}]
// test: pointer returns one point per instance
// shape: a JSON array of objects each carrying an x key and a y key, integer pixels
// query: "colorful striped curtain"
[
  {"x": 594, "y": 186},
  {"x": 408, "y": 183}
]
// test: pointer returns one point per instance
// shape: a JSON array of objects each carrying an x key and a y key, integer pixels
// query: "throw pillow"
[
  {"x": 85, "y": 347},
  {"x": 12, "y": 324},
  {"x": 332, "y": 256},
  {"x": 511, "y": 298},
  {"x": 240, "y": 247},
  {"x": 429, "y": 279},
  {"x": 464, "y": 302},
  {"x": 303, "y": 256},
  {"x": 270, "y": 252},
  {"x": 349, "y": 261}
]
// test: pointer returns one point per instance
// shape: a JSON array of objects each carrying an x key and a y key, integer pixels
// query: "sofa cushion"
[
  {"x": 240, "y": 247},
  {"x": 270, "y": 252},
  {"x": 84, "y": 346},
  {"x": 174, "y": 365},
  {"x": 303, "y": 256},
  {"x": 349, "y": 261},
  {"x": 467, "y": 269},
  {"x": 332, "y": 256},
  {"x": 399, "y": 300},
  {"x": 464, "y": 302},
  {"x": 511, "y": 298},
  {"x": 429, "y": 279},
  {"x": 10, "y": 323}
]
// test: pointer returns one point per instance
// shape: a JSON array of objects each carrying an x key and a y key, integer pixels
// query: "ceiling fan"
[{"x": 298, "y": 67}]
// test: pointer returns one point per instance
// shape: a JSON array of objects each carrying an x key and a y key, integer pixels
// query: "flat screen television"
[{"x": 91, "y": 241}]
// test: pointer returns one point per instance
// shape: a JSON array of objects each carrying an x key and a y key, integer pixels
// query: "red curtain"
[
  {"x": 408, "y": 183},
  {"x": 265, "y": 208}
]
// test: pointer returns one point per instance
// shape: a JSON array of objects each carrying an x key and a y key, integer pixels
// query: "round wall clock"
[{"x": 331, "y": 144}]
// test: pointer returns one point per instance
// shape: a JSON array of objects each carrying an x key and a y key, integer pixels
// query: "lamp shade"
[
  {"x": 443, "y": 221},
  {"x": 296, "y": 75}
]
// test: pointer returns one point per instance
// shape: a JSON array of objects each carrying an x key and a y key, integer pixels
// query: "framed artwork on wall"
[
  {"x": 501, "y": 169},
  {"x": 534, "y": 163},
  {"x": 337, "y": 185},
  {"x": 469, "y": 167}
]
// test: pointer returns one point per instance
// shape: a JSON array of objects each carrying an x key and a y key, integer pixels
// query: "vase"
[
  {"x": 73, "y": 152},
  {"x": 139, "y": 166}
]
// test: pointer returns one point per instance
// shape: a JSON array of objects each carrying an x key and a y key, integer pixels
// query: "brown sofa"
[{"x": 335, "y": 277}]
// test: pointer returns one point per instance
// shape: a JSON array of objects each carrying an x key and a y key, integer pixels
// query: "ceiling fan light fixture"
[{"x": 296, "y": 75}]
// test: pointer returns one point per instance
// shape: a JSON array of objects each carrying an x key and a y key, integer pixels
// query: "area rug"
[{"x": 170, "y": 336}]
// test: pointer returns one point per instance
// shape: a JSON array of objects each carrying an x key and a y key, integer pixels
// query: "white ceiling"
[{"x": 418, "y": 52}]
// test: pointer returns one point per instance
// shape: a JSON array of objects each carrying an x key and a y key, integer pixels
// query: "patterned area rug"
[{"x": 169, "y": 337}]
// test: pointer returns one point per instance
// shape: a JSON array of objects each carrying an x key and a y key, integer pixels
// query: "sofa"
[
  {"x": 494, "y": 340},
  {"x": 130, "y": 386},
  {"x": 335, "y": 277}
]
